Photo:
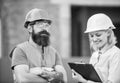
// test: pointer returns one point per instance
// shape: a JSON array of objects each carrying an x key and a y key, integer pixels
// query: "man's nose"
[{"x": 42, "y": 29}]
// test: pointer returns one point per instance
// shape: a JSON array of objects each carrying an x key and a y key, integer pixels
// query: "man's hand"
[{"x": 53, "y": 76}]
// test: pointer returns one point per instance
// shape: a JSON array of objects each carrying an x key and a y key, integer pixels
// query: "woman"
[{"x": 105, "y": 55}]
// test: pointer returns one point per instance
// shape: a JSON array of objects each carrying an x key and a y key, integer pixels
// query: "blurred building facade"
[{"x": 69, "y": 23}]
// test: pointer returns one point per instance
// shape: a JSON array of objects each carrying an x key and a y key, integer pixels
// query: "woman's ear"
[
  {"x": 29, "y": 28},
  {"x": 109, "y": 31}
]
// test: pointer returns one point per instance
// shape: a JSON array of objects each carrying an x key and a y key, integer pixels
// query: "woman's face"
[{"x": 99, "y": 38}]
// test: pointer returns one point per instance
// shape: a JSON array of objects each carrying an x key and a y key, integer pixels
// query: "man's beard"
[{"x": 41, "y": 38}]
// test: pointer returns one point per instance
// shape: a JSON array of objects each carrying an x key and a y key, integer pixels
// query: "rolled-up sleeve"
[{"x": 18, "y": 57}]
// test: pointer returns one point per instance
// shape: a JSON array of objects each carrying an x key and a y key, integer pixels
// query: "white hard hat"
[
  {"x": 36, "y": 14},
  {"x": 99, "y": 21}
]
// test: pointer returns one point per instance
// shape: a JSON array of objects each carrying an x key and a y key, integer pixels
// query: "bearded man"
[{"x": 36, "y": 61}]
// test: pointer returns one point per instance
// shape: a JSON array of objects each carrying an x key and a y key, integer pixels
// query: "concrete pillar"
[
  {"x": 0, "y": 41},
  {"x": 64, "y": 20}
]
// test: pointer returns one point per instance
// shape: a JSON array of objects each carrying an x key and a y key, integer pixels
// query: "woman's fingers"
[
  {"x": 74, "y": 75},
  {"x": 73, "y": 71},
  {"x": 77, "y": 76}
]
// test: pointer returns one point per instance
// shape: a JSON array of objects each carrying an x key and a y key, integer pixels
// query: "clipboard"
[{"x": 86, "y": 70}]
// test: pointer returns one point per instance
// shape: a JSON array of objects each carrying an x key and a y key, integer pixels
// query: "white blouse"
[{"x": 107, "y": 64}]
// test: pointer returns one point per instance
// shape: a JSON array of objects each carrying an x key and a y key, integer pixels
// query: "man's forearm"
[{"x": 31, "y": 78}]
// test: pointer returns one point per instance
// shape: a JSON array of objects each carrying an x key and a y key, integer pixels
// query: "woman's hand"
[{"x": 78, "y": 77}]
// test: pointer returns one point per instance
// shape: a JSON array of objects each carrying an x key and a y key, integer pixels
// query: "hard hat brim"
[{"x": 98, "y": 29}]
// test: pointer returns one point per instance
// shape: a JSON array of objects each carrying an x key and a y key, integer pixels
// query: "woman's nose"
[{"x": 94, "y": 38}]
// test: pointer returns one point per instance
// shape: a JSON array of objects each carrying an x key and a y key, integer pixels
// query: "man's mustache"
[{"x": 44, "y": 33}]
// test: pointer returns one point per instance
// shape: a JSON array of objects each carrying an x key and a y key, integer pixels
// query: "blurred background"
[{"x": 67, "y": 30}]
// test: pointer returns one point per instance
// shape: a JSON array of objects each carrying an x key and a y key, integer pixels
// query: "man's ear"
[{"x": 29, "y": 28}]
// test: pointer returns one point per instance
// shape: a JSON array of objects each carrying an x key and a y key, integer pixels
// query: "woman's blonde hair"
[{"x": 111, "y": 41}]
